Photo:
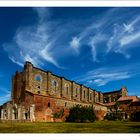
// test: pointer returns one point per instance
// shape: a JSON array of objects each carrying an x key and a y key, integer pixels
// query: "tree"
[
  {"x": 135, "y": 116},
  {"x": 80, "y": 113},
  {"x": 114, "y": 114}
]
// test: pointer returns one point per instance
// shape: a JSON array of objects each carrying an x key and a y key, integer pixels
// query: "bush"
[
  {"x": 135, "y": 116},
  {"x": 113, "y": 116},
  {"x": 110, "y": 117},
  {"x": 59, "y": 114},
  {"x": 81, "y": 114}
]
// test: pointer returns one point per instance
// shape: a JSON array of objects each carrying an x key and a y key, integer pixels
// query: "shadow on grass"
[{"x": 135, "y": 126}]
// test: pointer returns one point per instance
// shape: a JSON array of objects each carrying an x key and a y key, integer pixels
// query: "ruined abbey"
[{"x": 37, "y": 94}]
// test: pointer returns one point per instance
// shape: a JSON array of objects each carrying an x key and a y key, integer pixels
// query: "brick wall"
[
  {"x": 50, "y": 93},
  {"x": 63, "y": 89}
]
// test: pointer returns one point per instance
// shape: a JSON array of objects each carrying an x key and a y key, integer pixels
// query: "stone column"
[
  {"x": 13, "y": 115},
  {"x": 128, "y": 116},
  {"x": 19, "y": 113},
  {"x": 49, "y": 82},
  {"x": 23, "y": 114},
  {"x": 78, "y": 93},
  {"x": 72, "y": 90},
  {"x": 2, "y": 116},
  {"x": 88, "y": 95},
  {"x": 124, "y": 115},
  {"x": 93, "y": 97},
  {"x": 5, "y": 113},
  {"x": 32, "y": 115},
  {"x": 62, "y": 87},
  {"x": 8, "y": 113},
  {"x": 81, "y": 97}
]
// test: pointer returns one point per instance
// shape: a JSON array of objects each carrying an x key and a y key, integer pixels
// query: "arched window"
[
  {"x": 67, "y": 89},
  {"x": 38, "y": 78},
  {"x": 65, "y": 104},
  {"x": 49, "y": 105},
  {"x": 96, "y": 99},
  {"x": 76, "y": 91},
  {"x": 54, "y": 84},
  {"x": 106, "y": 99},
  {"x": 90, "y": 96},
  {"x": 84, "y": 94}
]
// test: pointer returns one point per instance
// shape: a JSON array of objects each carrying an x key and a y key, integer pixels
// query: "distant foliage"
[
  {"x": 135, "y": 116},
  {"x": 81, "y": 114},
  {"x": 110, "y": 117},
  {"x": 113, "y": 116}
]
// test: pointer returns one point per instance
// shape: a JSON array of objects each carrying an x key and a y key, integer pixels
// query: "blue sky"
[{"x": 97, "y": 47}]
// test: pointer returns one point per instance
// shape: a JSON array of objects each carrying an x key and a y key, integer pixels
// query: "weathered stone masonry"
[{"x": 38, "y": 94}]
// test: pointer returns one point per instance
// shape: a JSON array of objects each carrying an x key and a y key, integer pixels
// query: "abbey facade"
[{"x": 37, "y": 95}]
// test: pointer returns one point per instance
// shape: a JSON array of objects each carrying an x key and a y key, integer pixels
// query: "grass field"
[{"x": 95, "y": 127}]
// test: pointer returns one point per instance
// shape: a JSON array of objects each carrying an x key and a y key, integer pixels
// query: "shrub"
[
  {"x": 135, "y": 116},
  {"x": 110, "y": 117},
  {"x": 81, "y": 114},
  {"x": 113, "y": 116},
  {"x": 59, "y": 114}
]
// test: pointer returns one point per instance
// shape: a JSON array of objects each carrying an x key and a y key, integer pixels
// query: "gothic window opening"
[
  {"x": 26, "y": 115},
  {"x": 54, "y": 84},
  {"x": 67, "y": 89},
  {"x": 76, "y": 92},
  {"x": 49, "y": 105},
  {"x": 106, "y": 100},
  {"x": 65, "y": 104},
  {"x": 90, "y": 96},
  {"x": 38, "y": 78},
  {"x": 84, "y": 94},
  {"x": 96, "y": 99}
]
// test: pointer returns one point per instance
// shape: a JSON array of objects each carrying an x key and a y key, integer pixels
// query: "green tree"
[{"x": 80, "y": 113}]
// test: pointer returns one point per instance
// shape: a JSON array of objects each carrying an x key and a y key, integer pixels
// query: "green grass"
[{"x": 95, "y": 127}]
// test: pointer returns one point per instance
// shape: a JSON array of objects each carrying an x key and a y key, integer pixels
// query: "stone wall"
[
  {"x": 17, "y": 87},
  {"x": 14, "y": 112},
  {"x": 38, "y": 94},
  {"x": 46, "y": 106},
  {"x": 115, "y": 95},
  {"x": 52, "y": 85},
  {"x": 112, "y": 97}
]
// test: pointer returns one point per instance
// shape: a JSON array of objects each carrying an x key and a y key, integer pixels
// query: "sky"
[{"x": 95, "y": 46}]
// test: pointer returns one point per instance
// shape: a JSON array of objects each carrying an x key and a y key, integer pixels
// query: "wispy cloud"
[
  {"x": 5, "y": 96},
  {"x": 33, "y": 43},
  {"x": 124, "y": 37},
  {"x": 130, "y": 39},
  {"x": 102, "y": 76},
  {"x": 94, "y": 42},
  {"x": 49, "y": 41},
  {"x": 15, "y": 61},
  {"x": 94, "y": 29},
  {"x": 75, "y": 43}
]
